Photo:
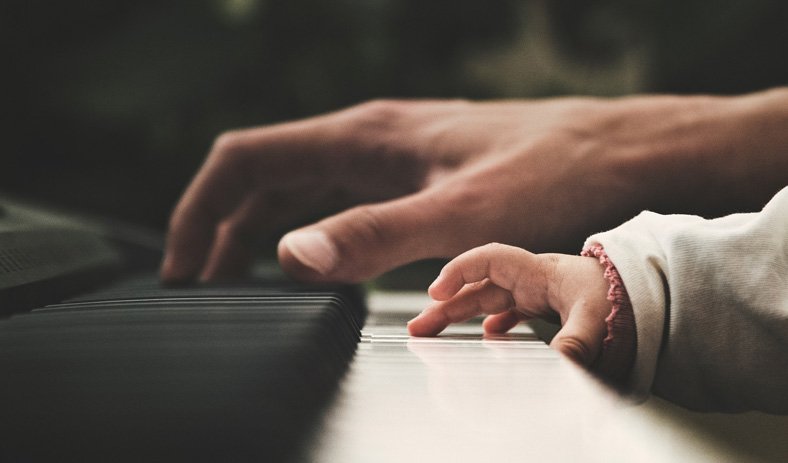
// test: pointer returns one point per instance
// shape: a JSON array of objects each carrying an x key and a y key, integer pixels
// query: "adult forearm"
[{"x": 704, "y": 155}]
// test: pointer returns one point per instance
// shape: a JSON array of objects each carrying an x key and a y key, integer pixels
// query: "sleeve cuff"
[
  {"x": 641, "y": 263},
  {"x": 620, "y": 345}
]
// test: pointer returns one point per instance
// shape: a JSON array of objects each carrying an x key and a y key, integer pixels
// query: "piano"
[{"x": 98, "y": 362}]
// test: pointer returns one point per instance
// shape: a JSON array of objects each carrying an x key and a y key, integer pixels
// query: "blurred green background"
[{"x": 110, "y": 107}]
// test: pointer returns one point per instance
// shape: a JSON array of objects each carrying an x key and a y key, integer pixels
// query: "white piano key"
[{"x": 461, "y": 398}]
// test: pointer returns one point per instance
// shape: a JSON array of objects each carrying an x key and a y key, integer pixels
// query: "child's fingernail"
[
  {"x": 436, "y": 283},
  {"x": 421, "y": 314}
]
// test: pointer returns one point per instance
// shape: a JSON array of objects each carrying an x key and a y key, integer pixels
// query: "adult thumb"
[{"x": 365, "y": 241}]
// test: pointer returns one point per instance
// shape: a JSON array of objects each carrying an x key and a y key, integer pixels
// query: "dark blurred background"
[{"x": 110, "y": 107}]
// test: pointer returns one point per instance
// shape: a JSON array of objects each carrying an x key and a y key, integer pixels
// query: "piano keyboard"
[
  {"x": 457, "y": 397},
  {"x": 461, "y": 397},
  {"x": 268, "y": 373},
  {"x": 143, "y": 373}
]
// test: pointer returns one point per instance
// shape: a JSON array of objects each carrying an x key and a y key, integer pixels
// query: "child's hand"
[{"x": 510, "y": 284}]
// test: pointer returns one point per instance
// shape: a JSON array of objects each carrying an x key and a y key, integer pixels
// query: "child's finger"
[
  {"x": 429, "y": 322},
  {"x": 502, "y": 322},
  {"x": 506, "y": 266},
  {"x": 472, "y": 300},
  {"x": 581, "y": 337}
]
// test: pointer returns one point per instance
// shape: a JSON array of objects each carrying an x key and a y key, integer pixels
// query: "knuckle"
[
  {"x": 228, "y": 143},
  {"x": 379, "y": 119},
  {"x": 228, "y": 155},
  {"x": 495, "y": 247},
  {"x": 369, "y": 132},
  {"x": 368, "y": 225},
  {"x": 382, "y": 111}
]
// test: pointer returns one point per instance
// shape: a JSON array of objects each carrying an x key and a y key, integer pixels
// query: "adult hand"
[{"x": 420, "y": 179}]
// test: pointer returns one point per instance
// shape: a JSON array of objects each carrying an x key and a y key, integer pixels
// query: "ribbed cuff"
[{"x": 620, "y": 344}]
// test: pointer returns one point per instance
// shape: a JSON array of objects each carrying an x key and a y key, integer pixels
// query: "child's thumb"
[{"x": 580, "y": 339}]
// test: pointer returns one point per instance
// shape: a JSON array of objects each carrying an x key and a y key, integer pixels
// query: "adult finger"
[
  {"x": 368, "y": 240},
  {"x": 263, "y": 159},
  {"x": 333, "y": 152},
  {"x": 238, "y": 238},
  {"x": 213, "y": 194},
  {"x": 473, "y": 300}
]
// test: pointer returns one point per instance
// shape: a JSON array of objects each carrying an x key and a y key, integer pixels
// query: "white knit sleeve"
[{"x": 710, "y": 299}]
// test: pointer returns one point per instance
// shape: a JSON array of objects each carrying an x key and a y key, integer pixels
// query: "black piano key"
[{"x": 173, "y": 375}]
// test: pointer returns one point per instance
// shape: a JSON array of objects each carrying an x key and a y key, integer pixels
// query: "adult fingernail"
[{"x": 313, "y": 249}]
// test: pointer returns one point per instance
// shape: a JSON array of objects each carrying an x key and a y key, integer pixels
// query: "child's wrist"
[{"x": 620, "y": 345}]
